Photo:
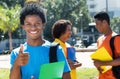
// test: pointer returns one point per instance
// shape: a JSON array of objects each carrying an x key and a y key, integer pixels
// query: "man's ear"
[
  {"x": 23, "y": 27},
  {"x": 43, "y": 25},
  {"x": 104, "y": 21}
]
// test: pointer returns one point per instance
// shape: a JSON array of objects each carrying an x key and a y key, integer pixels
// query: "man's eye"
[
  {"x": 27, "y": 24},
  {"x": 38, "y": 24}
]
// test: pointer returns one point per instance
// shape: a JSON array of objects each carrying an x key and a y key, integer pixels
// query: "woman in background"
[{"x": 61, "y": 31}]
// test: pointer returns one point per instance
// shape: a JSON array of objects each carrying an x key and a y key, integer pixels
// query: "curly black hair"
[
  {"x": 32, "y": 8},
  {"x": 59, "y": 27}
]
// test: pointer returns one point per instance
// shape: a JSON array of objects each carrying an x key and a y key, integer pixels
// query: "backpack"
[
  {"x": 115, "y": 69},
  {"x": 53, "y": 53}
]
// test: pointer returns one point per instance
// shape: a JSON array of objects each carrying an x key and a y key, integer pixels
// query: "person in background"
[
  {"x": 61, "y": 31},
  {"x": 102, "y": 21},
  {"x": 27, "y": 59}
]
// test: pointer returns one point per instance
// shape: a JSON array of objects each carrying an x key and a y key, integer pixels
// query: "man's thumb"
[{"x": 21, "y": 48}]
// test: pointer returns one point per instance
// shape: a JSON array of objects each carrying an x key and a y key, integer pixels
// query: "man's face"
[
  {"x": 33, "y": 26},
  {"x": 100, "y": 25}
]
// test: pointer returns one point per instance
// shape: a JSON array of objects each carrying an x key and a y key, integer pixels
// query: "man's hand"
[
  {"x": 22, "y": 58},
  {"x": 97, "y": 64}
]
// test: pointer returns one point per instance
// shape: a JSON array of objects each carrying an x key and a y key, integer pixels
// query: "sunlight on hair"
[{"x": 32, "y": 1}]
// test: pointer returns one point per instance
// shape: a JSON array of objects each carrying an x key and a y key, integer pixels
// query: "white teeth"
[{"x": 33, "y": 32}]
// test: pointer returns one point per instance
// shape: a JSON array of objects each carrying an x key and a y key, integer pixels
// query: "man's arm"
[
  {"x": 21, "y": 60},
  {"x": 114, "y": 62},
  {"x": 15, "y": 72},
  {"x": 66, "y": 75}
]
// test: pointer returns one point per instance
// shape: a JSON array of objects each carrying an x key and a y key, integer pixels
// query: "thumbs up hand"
[{"x": 22, "y": 58}]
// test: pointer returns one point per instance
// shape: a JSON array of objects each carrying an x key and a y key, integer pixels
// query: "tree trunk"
[
  {"x": 10, "y": 40},
  {"x": 38, "y": 0}
]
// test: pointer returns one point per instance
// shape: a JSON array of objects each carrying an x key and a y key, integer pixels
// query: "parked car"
[
  {"x": 1, "y": 51},
  {"x": 93, "y": 46},
  {"x": 4, "y": 51},
  {"x": 79, "y": 45}
]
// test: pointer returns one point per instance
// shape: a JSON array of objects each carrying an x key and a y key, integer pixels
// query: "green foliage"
[
  {"x": 115, "y": 24},
  {"x": 9, "y": 18},
  {"x": 12, "y": 3},
  {"x": 65, "y": 9}
]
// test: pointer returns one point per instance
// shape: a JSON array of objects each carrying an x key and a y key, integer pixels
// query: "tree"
[
  {"x": 115, "y": 24},
  {"x": 9, "y": 21},
  {"x": 65, "y": 9},
  {"x": 12, "y": 3}
]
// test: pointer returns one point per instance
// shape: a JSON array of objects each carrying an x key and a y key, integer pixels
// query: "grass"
[
  {"x": 82, "y": 73},
  {"x": 4, "y": 73},
  {"x": 87, "y": 73}
]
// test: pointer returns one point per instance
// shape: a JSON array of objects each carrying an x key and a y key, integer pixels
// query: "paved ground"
[
  {"x": 4, "y": 61},
  {"x": 84, "y": 58}
]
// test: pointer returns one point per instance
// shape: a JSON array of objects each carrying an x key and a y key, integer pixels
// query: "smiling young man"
[{"x": 27, "y": 59}]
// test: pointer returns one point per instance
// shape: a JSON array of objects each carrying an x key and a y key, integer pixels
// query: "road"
[
  {"x": 83, "y": 58},
  {"x": 4, "y": 61}
]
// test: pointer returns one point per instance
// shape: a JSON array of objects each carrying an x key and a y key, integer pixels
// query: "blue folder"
[{"x": 71, "y": 53}]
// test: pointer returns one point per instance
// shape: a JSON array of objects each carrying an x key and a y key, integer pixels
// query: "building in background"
[{"x": 110, "y": 6}]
